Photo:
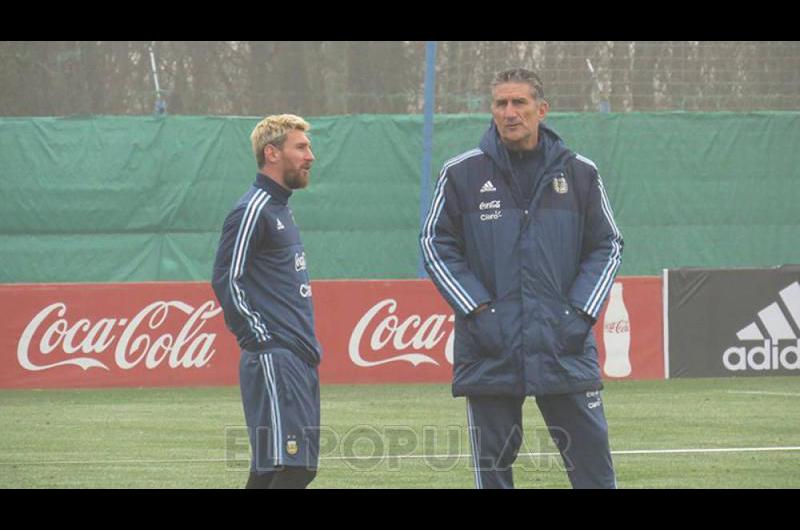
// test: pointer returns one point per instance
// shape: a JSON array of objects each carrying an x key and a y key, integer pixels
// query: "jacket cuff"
[
  {"x": 487, "y": 301},
  {"x": 589, "y": 318}
]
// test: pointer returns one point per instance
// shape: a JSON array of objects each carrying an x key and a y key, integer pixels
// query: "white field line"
[
  {"x": 381, "y": 457},
  {"x": 760, "y": 393}
]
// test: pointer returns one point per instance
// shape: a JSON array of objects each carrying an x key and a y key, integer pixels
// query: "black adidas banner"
[{"x": 732, "y": 322}]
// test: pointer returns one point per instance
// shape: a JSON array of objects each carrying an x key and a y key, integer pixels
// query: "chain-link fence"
[
  {"x": 629, "y": 76},
  {"x": 316, "y": 78}
]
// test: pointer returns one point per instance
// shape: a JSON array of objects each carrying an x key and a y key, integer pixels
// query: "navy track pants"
[{"x": 575, "y": 422}]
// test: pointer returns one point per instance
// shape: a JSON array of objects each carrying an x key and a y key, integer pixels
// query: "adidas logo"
[
  {"x": 776, "y": 327},
  {"x": 280, "y": 225},
  {"x": 488, "y": 186},
  {"x": 773, "y": 319}
]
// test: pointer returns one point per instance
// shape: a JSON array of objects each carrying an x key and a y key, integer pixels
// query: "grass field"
[{"x": 689, "y": 433}]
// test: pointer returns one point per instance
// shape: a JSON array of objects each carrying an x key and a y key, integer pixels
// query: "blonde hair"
[{"x": 273, "y": 130}]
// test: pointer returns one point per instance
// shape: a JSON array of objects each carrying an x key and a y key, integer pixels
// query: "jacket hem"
[{"x": 498, "y": 390}]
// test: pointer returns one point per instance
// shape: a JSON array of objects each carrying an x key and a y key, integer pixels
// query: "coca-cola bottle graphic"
[{"x": 617, "y": 335}]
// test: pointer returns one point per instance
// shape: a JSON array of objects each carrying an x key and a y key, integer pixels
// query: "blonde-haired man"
[
  {"x": 269, "y": 138},
  {"x": 261, "y": 281}
]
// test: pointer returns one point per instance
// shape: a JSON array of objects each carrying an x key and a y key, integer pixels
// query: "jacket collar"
[
  {"x": 278, "y": 192},
  {"x": 555, "y": 151}
]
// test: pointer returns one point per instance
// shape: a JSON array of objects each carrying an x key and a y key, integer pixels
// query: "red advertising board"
[
  {"x": 384, "y": 331},
  {"x": 173, "y": 334},
  {"x": 634, "y": 309},
  {"x": 124, "y": 334}
]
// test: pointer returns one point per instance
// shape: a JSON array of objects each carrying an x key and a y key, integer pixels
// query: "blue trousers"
[
  {"x": 575, "y": 422},
  {"x": 280, "y": 396}
]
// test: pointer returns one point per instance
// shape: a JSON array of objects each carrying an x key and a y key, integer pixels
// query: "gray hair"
[{"x": 521, "y": 75}]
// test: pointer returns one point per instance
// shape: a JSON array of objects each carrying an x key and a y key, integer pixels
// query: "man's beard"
[{"x": 295, "y": 179}]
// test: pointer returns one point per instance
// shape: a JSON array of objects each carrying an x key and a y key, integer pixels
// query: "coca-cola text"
[{"x": 134, "y": 345}]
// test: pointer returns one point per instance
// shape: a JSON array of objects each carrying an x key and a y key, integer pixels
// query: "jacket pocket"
[
  {"x": 573, "y": 330},
  {"x": 465, "y": 349},
  {"x": 486, "y": 329}
]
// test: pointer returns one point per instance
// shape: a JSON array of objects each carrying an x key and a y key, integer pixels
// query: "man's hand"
[
  {"x": 480, "y": 308},
  {"x": 486, "y": 329},
  {"x": 586, "y": 316},
  {"x": 574, "y": 329}
]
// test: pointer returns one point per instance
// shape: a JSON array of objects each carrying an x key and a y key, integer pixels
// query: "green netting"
[{"x": 106, "y": 199}]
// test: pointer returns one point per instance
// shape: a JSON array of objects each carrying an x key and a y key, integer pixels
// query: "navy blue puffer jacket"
[{"x": 535, "y": 263}]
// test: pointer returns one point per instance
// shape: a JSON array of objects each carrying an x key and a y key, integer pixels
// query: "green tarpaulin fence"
[{"x": 109, "y": 199}]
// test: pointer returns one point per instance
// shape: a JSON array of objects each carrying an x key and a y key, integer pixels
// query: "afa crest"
[
  {"x": 560, "y": 185},
  {"x": 291, "y": 447}
]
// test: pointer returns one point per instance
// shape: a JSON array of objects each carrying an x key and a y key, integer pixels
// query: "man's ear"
[
  {"x": 544, "y": 107},
  {"x": 271, "y": 153}
]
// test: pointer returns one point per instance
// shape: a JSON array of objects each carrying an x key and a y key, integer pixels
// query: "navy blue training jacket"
[
  {"x": 534, "y": 263},
  {"x": 260, "y": 276}
]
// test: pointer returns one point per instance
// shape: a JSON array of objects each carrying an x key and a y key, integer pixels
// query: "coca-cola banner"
[
  {"x": 124, "y": 334},
  {"x": 630, "y": 330},
  {"x": 173, "y": 334},
  {"x": 734, "y": 322}
]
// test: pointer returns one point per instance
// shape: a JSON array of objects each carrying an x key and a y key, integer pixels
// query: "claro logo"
[{"x": 772, "y": 341}]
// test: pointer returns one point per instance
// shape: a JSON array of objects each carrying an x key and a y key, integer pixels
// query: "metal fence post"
[{"x": 427, "y": 143}]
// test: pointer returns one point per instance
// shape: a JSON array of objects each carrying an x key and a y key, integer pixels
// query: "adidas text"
[{"x": 763, "y": 357}]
